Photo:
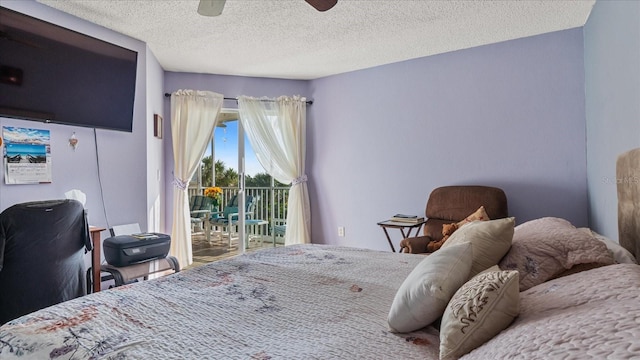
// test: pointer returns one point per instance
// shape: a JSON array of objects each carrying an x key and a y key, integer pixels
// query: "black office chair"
[{"x": 42, "y": 247}]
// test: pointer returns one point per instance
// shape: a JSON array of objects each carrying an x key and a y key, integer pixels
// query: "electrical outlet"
[{"x": 341, "y": 231}]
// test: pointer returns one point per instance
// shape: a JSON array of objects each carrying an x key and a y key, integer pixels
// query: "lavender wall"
[
  {"x": 116, "y": 189},
  {"x": 509, "y": 115},
  {"x": 379, "y": 140},
  {"x": 229, "y": 86},
  {"x": 155, "y": 162},
  {"x": 612, "y": 77}
]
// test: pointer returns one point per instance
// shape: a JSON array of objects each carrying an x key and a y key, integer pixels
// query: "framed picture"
[{"x": 157, "y": 126}]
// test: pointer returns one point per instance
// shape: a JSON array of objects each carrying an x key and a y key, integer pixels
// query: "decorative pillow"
[
  {"x": 478, "y": 215},
  {"x": 478, "y": 311},
  {"x": 424, "y": 294},
  {"x": 620, "y": 254},
  {"x": 490, "y": 241},
  {"x": 544, "y": 248}
]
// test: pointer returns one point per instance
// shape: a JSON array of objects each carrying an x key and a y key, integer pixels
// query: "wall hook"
[{"x": 73, "y": 141}]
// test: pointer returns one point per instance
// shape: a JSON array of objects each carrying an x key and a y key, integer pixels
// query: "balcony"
[{"x": 270, "y": 205}]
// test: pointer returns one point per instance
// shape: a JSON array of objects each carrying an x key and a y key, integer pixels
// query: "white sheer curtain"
[
  {"x": 276, "y": 129},
  {"x": 193, "y": 118}
]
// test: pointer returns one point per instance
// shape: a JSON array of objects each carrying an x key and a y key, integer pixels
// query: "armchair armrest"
[
  {"x": 233, "y": 217},
  {"x": 198, "y": 212},
  {"x": 415, "y": 245}
]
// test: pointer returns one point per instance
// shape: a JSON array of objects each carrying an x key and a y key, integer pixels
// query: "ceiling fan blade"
[
  {"x": 211, "y": 7},
  {"x": 322, "y": 5}
]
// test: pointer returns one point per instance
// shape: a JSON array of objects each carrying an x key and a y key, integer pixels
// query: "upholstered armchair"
[{"x": 449, "y": 204}]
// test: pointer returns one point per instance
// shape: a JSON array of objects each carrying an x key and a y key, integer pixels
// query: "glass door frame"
[
  {"x": 242, "y": 238},
  {"x": 241, "y": 179}
]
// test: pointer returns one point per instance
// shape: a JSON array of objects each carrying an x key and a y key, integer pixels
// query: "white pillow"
[
  {"x": 424, "y": 294},
  {"x": 490, "y": 240},
  {"x": 479, "y": 310}
]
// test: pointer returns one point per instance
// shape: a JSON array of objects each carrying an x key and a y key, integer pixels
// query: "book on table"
[{"x": 407, "y": 218}]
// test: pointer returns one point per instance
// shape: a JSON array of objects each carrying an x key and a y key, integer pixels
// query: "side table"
[
  {"x": 95, "y": 257},
  {"x": 408, "y": 226}
]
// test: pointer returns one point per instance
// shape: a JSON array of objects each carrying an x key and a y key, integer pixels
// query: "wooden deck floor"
[{"x": 217, "y": 249}]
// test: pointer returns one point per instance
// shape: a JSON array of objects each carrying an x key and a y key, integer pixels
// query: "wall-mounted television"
[{"x": 53, "y": 74}]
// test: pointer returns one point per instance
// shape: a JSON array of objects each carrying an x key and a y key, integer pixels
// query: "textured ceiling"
[{"x": 290, "y": 39}]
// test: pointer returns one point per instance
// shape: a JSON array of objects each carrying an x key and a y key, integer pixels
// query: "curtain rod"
[{"x": 309, "y": 102}]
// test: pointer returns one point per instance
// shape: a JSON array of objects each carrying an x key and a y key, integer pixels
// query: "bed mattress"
[{"x": 295, "y": 302}]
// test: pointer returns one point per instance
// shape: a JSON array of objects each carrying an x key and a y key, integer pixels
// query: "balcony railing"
[{"x": 271, "y": 205}]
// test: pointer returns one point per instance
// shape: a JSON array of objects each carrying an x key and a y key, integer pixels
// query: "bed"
[
  {"x": 296, "y": 302},
  {"x": 495, "y": 290}
]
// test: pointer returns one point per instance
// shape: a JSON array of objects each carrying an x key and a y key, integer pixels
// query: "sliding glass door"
[
  {"x": 230, "y": 163},
  {"x": 224, "y": 166}
]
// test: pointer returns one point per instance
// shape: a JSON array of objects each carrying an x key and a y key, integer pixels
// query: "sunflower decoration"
[{"x": 214, "y": 193}]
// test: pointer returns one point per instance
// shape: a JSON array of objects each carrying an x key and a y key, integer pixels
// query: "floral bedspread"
[{"x": 295, "y": 302}]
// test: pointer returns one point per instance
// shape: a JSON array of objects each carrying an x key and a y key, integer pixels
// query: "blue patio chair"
[
  {"x": 201, "y": 207},
  {"x": 279, "y": 229},
  {"x": 227, "y": 219}
]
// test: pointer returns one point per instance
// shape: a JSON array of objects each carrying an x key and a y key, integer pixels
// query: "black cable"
[{"x": 104, "y": 209}]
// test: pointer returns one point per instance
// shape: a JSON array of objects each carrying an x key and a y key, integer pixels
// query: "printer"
[{"x": 125, "y": 250}]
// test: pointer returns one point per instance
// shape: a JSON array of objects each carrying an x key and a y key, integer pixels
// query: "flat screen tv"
[{"x": 53, "y": 74}]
